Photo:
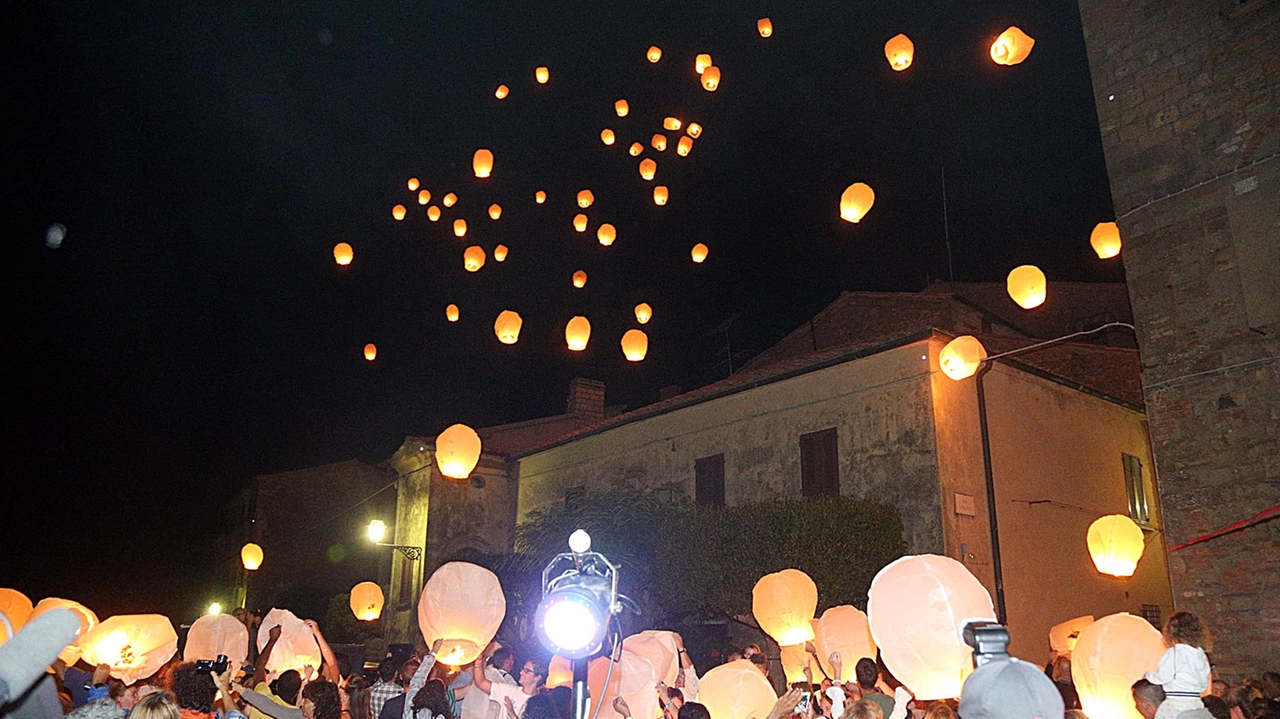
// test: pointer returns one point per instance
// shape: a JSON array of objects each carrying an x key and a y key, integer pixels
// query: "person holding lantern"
[
  {"x": 1183, "y": 671},
  {"x": 532, "y": 675}
]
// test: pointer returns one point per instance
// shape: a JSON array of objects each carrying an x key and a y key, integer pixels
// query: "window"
[
  {"x": 710, "y": 481},
  {"x": 1136, "y": 487},
  {"x": 1151, "y": 613},
  {"x": 574, "y": 497},
  {"x": 819, "y": 464}
]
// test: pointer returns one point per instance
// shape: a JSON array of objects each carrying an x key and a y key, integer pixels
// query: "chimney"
[{"x": 586, "y": 402}]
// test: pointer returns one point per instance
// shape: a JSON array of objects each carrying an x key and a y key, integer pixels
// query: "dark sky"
[{"x": 193, "y": 331}]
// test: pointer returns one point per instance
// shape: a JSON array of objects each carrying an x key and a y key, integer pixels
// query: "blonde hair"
[
  {"x": 156, "y": 705},
  {"x": 1185, "y": 628},
  {"x": 864, "y": 709}
]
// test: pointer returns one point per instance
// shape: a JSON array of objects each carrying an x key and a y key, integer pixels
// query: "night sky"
[{"x": 193, "y": 331}]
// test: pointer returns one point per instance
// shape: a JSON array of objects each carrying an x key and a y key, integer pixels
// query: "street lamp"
[{"x": 378, "y": 531}]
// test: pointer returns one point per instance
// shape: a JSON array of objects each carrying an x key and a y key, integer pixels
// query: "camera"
[
  {"x": 990, "y": 640},
  {"x": 217, "y": 666}
]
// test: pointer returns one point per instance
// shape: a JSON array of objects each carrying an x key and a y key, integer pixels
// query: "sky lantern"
[
  {"x": 765, "y": 27},
  {"x": 542, "y": 74},
  {"x": 500, "y": 253},
  {"x": 366, "y": 601},
  {"x": 1063, "y": 637},
  {"x": 580, "y": 279},
  {"x": 457, "y": 451},
  {"x": 607, "y": 234},
  {"x": 646, "y": 658},
  {"x": 711, "y": 79},
  {"x": 295, "y": 649},
  {"x": 16, "y": 606},
  {"x": 843, "y": 629},
  {"x": 342, "y": 253},
  {"x": 413, "y": 184},
  {"x": 135, "y": 646},
  {"x": 654, "y": 53},
  {"x": 660, "y": 195},
  {"x": 460, "y": 227},
  {"x": 794, "y": 661},
  {"x": 1105, "y": 240},
  {"x": 577, "y": 333},
  {"x": 647, "y": 168},
  {"x": 1110, "y": 655},
  {"x": 398, "y": 212},
  {"x": 473, "y": 258},
  {"x": 371, "y": 351},
  {"x": 701, "y": 63},
  {"x": 607, "y": 136},
  {"x": 899, "y": 50},
  {"x": 580, "y": 222},
  {"x": 635, "y": 345},
  {"x": 424, "y": 196},
  {"x": 914, "y": 607},
  {"x": 451, "y": 313},
  {"x": 585, "y": 198},
  {"x": 251, "y": 556},
  {"x": 214, "y": 634},
  {"x": 482, "y": 162},
  {"x": 539, "y": 197},
  {"x": 462, "y": 604},
  {"x": 699, "y": 252},
  {"x": 644, "y": 313},
  {"x": 736, "y": 690},
  {"x": 960, "y": 358},
  {"x": 495, "y": 211},
  {"x": 635, "y": 149},
  {"x": 671, "y": 123},
  {"x": 783, "y": 604},
  {"x": 694, "y": 129},
  {"x": 449, "y": 199},
  {"x": 1115, "y": 545},
  {"x": 88, "y": 620},
  {"x": 559, "y": 672},
  {"x": 856, "y": 201},
  {"x": 1012, "y": 47},
  {"x": 622, "y": 108},
  {"x": 1026, "y": 285},
  {"x": 502, "y": 92},
  {"x": 433, "y": 213},
  {"x": 659, "y": 142},
  {"x": 684, "y": 146},
  {"x": 507, "y": 327}
]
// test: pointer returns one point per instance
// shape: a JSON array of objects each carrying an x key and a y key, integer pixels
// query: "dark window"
[
  {"x": 574, "y": 497},
  {"x": 1136, "y": 487},
  {"x": 710, "y": 482},
  {"x": 1151, "y": 613},
  {"x": 819, "y": 464}
]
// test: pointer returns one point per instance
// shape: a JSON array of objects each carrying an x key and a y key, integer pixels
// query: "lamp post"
[{"x": 378, "y": 531}]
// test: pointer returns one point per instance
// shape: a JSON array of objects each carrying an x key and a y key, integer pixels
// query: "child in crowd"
[{"x": 1183, "y": 671}]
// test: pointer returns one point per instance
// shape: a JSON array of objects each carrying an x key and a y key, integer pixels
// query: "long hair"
[
  {"x": 358, "y": 701},
  {"x": 324, "y": 698},
  {"x": 432, "y": 697}
]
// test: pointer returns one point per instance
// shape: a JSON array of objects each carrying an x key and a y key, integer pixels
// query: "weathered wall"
[
  {"x": 1188, "y": 106},
  {"x": 879, "y": 404}
]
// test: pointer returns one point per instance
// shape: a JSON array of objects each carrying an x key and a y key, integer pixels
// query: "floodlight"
[{"x": 579, "y": 597}]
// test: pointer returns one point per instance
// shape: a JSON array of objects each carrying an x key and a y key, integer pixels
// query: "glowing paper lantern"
[
  {"x": 413, "y": 184},
  {"x": 783, "y": 604},
  {"x": 694, "y": 129},
  {"x": 342, "y": 253},
  {"x": 671, "y": 123},
  {"x": 843, "y": 629},
  {"x": 580, "y": 222},
  {"x": 495, "y": 211},
  {"x": 433, "y": 213},
  {"x": 765, "y": 27},
  {"x": 654, "y": 53},
  {"x": 539, "y": 197},
  {"x": 711, "y": 78},
  {"x": 597, "y": 671},
  {"x": 1115, "y": 544},
  {"x": 398, "y": 212},
  {"x": 635, "y": 149},
  {"x": 856, "y": 201},
  {"x": 647, "y": 168},
  {"x": 88, "y": 620},
  {"x": 502, "y": 92},
  {"x": 585, "y": 198},
  {"x": 622, "y": 108},
  {"x": 1110, "y": 655},
  {"x": 646, "y": 658},
  {"x": 542, "y": 74},
  {"x": 370, "y": 351},
  {"x": 635, "y": 345},
  {"x": 451, "y": 313},
  {"x": 643, "y": 313},
  {"x": 6, "y": 628},
  {"x": 660, "y": 195},
  {"x": 699, "y": 252},
  {"x": 135, "y": 646},
  {"x": 559, "y": 673},
  {"x": 500, "y": 253},
  {"x": 366, "y": 601},
  {"x": 16, "y": 606},
  {"x": 684, "y": 146},
  {"x": 607, "y": 136},
  {"x": 577, "y": 333},
  {"x": 251, "y": 556},
  {"x": 482, "y": 163},
  {"x": 794, "y": 660},
  {"x": 460, "y": 227},
  {"x": 914, "y": 607},
  {"x": 1012, "y": 47},
  {"x": 1027, "y": 286},
  {"x": 659, "y": 142},
  {"x": 214, "y": 634},
  {"x": 606, "y": 234},
  {"x": 462, "y": 604},
  {"x": 1105, "y": 240},
  {"x": 424, "y": 197},
  {"x": 507, "y": 327},
  {"x": 457, "y": 451},
  {"x": 899, "y": 50},
  {"x": 449, "y": 199},
  {"x": 960, "y": 358},
  {"x": 580, "y": 279},
  {"x": 473, "y": 258},
  {"x": 701, "y": 63},
  {"x": 1063, "y": 637},
  {"x": 736, "y": 690},
  {"x": 296, "y": 648}
]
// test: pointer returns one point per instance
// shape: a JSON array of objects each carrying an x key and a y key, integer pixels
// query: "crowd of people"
[{"x": 411, "y": 684}]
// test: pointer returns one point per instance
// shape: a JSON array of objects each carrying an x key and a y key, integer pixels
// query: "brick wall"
[{"x": 1188, "y": 105}]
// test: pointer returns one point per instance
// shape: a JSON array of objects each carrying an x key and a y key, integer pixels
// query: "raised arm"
[
  {"x": 329, "y": 663},
  {"x": 420, "y": 678},
  {"x": 260, "y": 671}
]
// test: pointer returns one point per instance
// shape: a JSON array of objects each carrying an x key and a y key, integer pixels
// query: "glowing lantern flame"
[
  {"x": 899, "y": 50},
  {"x": 134, "y": 646},
  {"x": 635, "y": 345},
  {"x": 711, "y": 79},
  {"x": 451, "y": 313},
  {"x": 580, "y": 279},
  {"x": 960, "y": 358},
  {"x": 473, "y": 258},
  {"x": 694, "y": 129},
  {"x": 699, "y": 252},
  {"x": 1012, "y": 47},
  {"x": 856, "y": 201},
  {"x": 501, "y": 92},
  {"x": 449, "y": 199},
  {"x": 765, "y": 26},
  {"x": 542, "y": 74},
  {"x": 684, "y": 146},
  {"x": 366, "y": 601},
  {"x": 580, "y": 222},
  {"x": 701, "y": 63},
  {"x": 585, "y": 198},
  {"x": 1110, "y": 655},
  {"x": 1115, "y": 544},
  {"x": 660, "y": 195},
  {"x": 462, "y": 604},
  {"x": 671, "y": 123},
  {"x": 457, "y": 451},
  {"x": 736, "y": 690},
  {"x": 507, "y": 327},
  {"x": 251, "y": 556},
  {"x": 647, "y": 168},
  {"x": 482, "y": 163},
  {"x": 413, "y": 184},
  {"x": 398, "y": 212},
  {"x": 622, "y": 108},
  {"x": 635, "y": 149},
  {"x": 424, "y": 197},
  {"x": 1105, "y": 240},
  {"x": 500, "y": 253},
  {"x": 607, "y": 136},
  {"x": 460, "y": 227},
  {"x": 654, "y": 54},
  {"x": 539, "y": 197},
  {"x": 606, "y": 234},
  {"x": 1027, "y": 286},
  {"x": 371, "y": 351},
  {"x": 783, "y": 604},
  {"x": 342, "y": 253},
  {"x": 644, "y": 313},
  {"x": 433, "y": 213},
  {"x": 659, "y": 142},
  {"x": 577, "y": 333},
  {"x": 495, "y": 211}
]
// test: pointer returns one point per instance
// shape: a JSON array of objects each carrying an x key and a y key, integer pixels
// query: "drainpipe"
[{"x": 996, "y": 566}]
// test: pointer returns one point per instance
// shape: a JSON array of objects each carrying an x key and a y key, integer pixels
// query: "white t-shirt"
[
  {"x": 476, "y": 704},
  {"x": 501, "y": 692}
]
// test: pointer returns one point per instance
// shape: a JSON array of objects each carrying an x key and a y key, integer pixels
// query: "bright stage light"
[{"x": 570, "y": 623}]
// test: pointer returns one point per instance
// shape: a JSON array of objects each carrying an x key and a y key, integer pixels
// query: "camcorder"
[
  {"x": 990, "y": 641},
  {"x": 217, "y": 666}
]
